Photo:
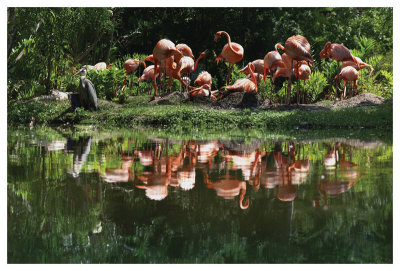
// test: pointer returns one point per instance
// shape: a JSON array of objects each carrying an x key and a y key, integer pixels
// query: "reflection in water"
[
  {"x": 337, "y": 180},
  {"x": 135, "y": 199},
  {"x": 81, "y": 150},
  {"x": 227, "y": 166}
]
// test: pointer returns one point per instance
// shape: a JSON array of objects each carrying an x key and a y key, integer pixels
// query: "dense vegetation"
[{"x": 46, "y": 45}]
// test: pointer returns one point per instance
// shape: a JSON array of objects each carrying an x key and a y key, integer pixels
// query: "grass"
[{"x": 137, "y": 112}]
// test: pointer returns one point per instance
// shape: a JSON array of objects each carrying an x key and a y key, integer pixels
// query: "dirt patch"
[
  {"x": 173, "y": 98},
  {"x": 284, "y": 107},
  {"x": 364, "y": 99},
  {"x": 206, "y": 101},
  {"x": 240, "y": 100}
]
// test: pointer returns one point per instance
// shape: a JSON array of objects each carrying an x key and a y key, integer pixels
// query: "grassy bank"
[{"x": 137, "y": 112}]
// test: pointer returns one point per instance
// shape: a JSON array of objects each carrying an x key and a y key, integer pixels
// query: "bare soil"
[{"x": 241, "y": 100}]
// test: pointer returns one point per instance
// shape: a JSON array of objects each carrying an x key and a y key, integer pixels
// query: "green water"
[{"x": 146, "y": 198}]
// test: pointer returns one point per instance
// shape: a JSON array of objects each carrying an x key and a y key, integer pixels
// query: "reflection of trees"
[{"x": 62, "y": 211}]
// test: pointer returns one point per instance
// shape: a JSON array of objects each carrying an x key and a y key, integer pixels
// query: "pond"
[{"x": 148, "y": 198}]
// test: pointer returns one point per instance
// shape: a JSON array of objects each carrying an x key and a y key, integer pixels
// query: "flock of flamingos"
[
  {"x": 282, "y": 168},
  {"x": 288, "y": 170},
  {"x": 174, "y": 61}
]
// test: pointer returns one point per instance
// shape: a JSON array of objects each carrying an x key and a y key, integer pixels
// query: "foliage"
[
  {"x": 108, "y": 83},
  {"x": 315, "y": 86},
  {"x": 48, "y": 44}
]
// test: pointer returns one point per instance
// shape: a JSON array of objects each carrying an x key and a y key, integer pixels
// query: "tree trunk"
[
  {"x": 109, "y": 45},
  {"x": 11, "y": 18},
  {"x": 48, "y": 83}
]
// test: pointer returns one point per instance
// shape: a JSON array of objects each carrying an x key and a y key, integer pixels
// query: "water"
[{"x": 145, "y": 198}]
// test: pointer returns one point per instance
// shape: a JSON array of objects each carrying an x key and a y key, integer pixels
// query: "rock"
[{"x": 54, "y": 95}]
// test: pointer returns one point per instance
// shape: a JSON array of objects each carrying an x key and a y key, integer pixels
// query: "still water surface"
[{"x": 147, "y": 199}]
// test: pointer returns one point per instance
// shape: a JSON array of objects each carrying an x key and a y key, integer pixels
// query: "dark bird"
[{"x": 87, "y": 92}]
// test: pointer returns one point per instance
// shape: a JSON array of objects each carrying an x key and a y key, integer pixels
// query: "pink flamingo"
[
  {"x": 243, "y": 84},
  {"x": 303, "y": 73},
  {"x": 258, "y": 69},
  {"x": 148, "y": 75},
  {"x": 164, "y": 49},
  {"x": 204, "y": 78},
  {"x": 272, "y": 61},
  {"x": 202, "y": 91},
  {"x": 187, "y": 65},
  {"x": 298, "y": 48},
  {"x": 130, "y": 66},
  {"x": 339, "y": 53},
  {"x": 231, "y": 53},
  {"x": 349, "y": 74},
  {"x": 185, "y": 50},
  {"x": 354, "y": 65}
]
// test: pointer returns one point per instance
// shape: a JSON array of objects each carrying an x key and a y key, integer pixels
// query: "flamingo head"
[
  {"x": 217, "y": 36},
  {"x": 243, "y": 70},
  {"x": 324, "y": 52},
  {"x": 186, "y": 51}
]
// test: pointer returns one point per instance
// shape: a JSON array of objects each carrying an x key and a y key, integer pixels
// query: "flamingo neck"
[
  {"x": 197, "y": 61},
  {"x": 243, "y": 205},
  {"x": 253, "y": 78},
  {"x": 229, "y": 40}
]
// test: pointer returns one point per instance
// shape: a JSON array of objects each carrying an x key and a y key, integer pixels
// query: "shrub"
[
  {"x": 315, "y": 86},
  {"x": 107, "y": 82}
]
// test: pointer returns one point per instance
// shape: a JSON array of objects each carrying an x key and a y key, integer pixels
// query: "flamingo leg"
[
  {"x": 289, "y": 85},
  {"x": 298, "y": 84},
  {"x": 154, "y": 77},
  {"x": 338, "y": 80},
  {"x": 272, "y": 84},
  {"x": 229, "y": 75},
  {"x": 344, "y": 92}
]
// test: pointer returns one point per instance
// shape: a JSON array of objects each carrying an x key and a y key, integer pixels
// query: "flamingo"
[
  {"x": 203, "y": 78},
  {"x": 187, "y": 65},
  {"x": 130, "y": 66},
  {"x": 303, "y": 73},
  {"x": 164, "y": 49},
  {"x": 244, "y": 84},
  {"x": 229, "y": 188},
  {"x": 340, "y": 53},
  {"x": 186, "y": 51},
  {"x": 258, "y": 69},
  {"x": 100, "y": 66},
  {"x": 148, "y": 75},
  {"x": 231, "y": 53},
  {"x": 354, "y": 65},
  {"x": 272, "y": 60},
  {"x": 349, "y": 74},
  {"x": 202, "y": 91},
  {"x": 298, "y": 48}
]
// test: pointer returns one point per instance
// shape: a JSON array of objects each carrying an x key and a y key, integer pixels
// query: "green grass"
[{"x": 137, "y": 112}]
